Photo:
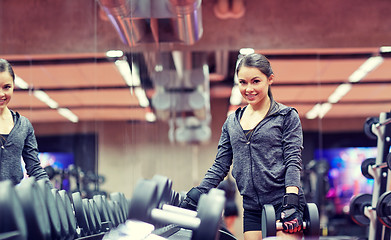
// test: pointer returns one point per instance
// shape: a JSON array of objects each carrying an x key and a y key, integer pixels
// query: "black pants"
[{"x": 252, "y": 219}]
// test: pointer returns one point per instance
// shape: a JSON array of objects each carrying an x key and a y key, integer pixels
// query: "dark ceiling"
[{"x": 314, "y": 46}]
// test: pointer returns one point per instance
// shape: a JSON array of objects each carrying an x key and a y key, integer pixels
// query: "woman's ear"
[{"x": 271, "y": 79}]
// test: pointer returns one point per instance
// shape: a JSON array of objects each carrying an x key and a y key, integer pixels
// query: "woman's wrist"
[{"x": 292, "y": 189}]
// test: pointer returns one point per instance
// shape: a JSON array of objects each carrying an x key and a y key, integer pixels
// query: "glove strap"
[
  {"x": 290, "y": 199},
  {"x": 194, "y": 194}
]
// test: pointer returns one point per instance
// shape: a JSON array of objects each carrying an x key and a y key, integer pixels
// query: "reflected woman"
[{"x": 17, "y": 137}]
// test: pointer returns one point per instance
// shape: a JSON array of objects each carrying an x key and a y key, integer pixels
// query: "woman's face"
[
  {"x": 254, "y": 85},
  {"x": 6, "y": 89}
]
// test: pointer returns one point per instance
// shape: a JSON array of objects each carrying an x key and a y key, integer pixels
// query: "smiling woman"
[
  {"x": 17, "y": 136},
  {"x": 265, "y": 138}
]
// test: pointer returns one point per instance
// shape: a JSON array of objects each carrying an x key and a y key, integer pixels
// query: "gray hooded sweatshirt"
[
  {"x": 266, "y": 163},
  {"x": 21, "y": 142}
]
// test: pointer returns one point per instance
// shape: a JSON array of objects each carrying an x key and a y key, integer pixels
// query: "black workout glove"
[
  {"x": 191, "y": 200},
  {"x": 291, "y": 215}
]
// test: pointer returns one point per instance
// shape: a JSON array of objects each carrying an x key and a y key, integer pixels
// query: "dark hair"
[
  {"x": 256, "y": 60},
  {"x": 5, "y": 66}
]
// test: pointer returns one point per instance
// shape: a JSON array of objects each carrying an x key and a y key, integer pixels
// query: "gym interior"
[{"x": 121, "y": 91}]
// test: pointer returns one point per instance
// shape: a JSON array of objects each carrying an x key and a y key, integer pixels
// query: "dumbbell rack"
[{"x": 382, "y": 178}]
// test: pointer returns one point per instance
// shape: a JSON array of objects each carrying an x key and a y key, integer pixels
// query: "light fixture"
[
  {"x": 114, "y": 53},
  {"x": 320, "y": 110},
  {"x": 339, "y": 92},
  {"x": 385, "y": 49},
  {"x": 43, "y": 97},
  {"x": 20, "y": 83},
  {"x": 65, "y": 112},
  {"x": 369, "y": 65},
  {"x": 245, "y": 51},
  {"x": 141, "y": 96}
]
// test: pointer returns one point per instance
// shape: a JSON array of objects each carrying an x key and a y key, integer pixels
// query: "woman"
[
  {"x": 264, "y": 141},
  {"x": 17, "y": 137}
]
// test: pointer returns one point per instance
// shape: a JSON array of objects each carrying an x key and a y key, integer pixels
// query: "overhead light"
[
  {"x": 20, "y": 83},
  {"x": 158, "y": 68},
  {"x": 319, "y": 110},
  {"x": 385, "y": 49},
  {"x": 65, "y": 112},
  {"x": 43, "y": 97},
  {"x": 124, "y": 70},
  {"x": 114, "y": 53},
  {"x": 135, "y": 75},
  {"x": 369, "y": 65},
  {"x": 150, "y": 117},
  {"x": 341, "y": 91},
  {"x": 324, "y": 108},
  {"x": 313, "y": 113},
  {"x": 245, "y": 51},
  {"x": 141, "y": 96}
]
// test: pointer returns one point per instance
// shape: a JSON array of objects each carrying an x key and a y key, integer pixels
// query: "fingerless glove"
[{"x": 292, "y": 214}]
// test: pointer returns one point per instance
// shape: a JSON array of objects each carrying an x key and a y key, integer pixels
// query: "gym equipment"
[
  {"x": 72, "y": 224},
  {"x": 110, "y": 212},
  {"x": 51, "y": 206},
  {"x": 357, "y": 207},
  {"x": 368, "y": 127},
  {"x": 103, "y": 213},
  {"x": 372, "y": 123},
  {"x": 62, "y": 213},
  {"x": 371, "y": 162},
  {"x": 135, "y": 230},
  {"x": 383, "y": 209},
  {"x": 12, "y": 219},
  {"x": 80, "y": 214},
  {"x": 164, "y": 196},
  {"x": 120, "y": 198},
  {"x": 114, "y": 208},
  {"x": 90, "y": 216},
  {"x": 34, "y": 208},
  {"x": 380, "y": 129},
  {"x": 205, "y": 225},
  {"x": 311, "y": 222},
  {"x": 95, "y": 212}
]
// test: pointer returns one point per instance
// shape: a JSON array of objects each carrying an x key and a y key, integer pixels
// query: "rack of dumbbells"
[
  {"x": 35, "y": 210},
  {"x": 374, "y": 210},
  {"x": 154, "y": 213}
]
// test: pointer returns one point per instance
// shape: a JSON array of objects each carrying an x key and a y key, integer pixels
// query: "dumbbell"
[
  {"x": 34, "y": 208},
  {"x": 205, "y": 225},
  {"x": 371, "y": 123},
  {"x": 311, "y": 223},
  {"x": 371, "y": 163},
  {"x": 12, "y": 220},
  {"x": 362, "y": 202},
  {"x": 358, "y": 205}
]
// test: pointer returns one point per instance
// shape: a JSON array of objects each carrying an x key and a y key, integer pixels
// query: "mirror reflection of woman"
[{"x": 17, "y": 137}]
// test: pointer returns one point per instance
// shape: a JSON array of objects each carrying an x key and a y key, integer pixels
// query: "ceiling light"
[
  {"x": 43, "y": 97},
  {"x": 324, "y": 108},
  {"x": 313, "y": 113},
  {"x": 150, "y": 117},
  {"x": 339, "y": 92},
  {"x": 158, "y": 68},
  {"x": 65, "y": 112},
  {"x": 20, "y": 83},
  {"x": 369, "y": 65},
  {"x": 114, "y": 53},
  {"x": 245, "y": 51},
  {"x": 141, "y": 96},
  {"x": 385, "y": 49},
  {"x": 124, "y": 70}
]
